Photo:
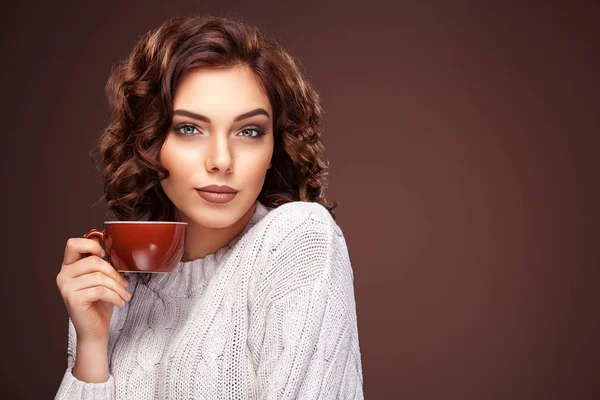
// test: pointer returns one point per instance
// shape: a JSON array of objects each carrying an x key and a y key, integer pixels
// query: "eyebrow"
[{"x": 199, "y": 117}]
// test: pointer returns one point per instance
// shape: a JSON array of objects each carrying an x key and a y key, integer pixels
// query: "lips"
[
  {"x": 217, "y": 189},
  {"x": 217, "y": 194}
]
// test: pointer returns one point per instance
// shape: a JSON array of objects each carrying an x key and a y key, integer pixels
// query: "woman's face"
[{"x": 221, "y": 134}]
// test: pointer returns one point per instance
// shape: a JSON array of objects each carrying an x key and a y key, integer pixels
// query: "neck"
[{"x": 201, "y": 241}]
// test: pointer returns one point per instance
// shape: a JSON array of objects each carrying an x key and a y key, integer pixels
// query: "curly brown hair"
[{"x": 140, "y": 95}]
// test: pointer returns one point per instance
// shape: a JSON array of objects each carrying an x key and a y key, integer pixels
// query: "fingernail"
[
  {"x": 128, "y": 296},
  {"x": 103, "y": 253}
]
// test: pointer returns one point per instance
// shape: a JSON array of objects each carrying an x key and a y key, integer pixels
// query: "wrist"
[
  {"x": 88, "y": 342},
  {"x": 91, "y": 361}
]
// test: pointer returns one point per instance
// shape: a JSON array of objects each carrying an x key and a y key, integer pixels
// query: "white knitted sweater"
[{"x": 272, "y": 315}]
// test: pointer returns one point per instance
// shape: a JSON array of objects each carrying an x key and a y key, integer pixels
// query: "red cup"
[{"x": 142, "y": 246}]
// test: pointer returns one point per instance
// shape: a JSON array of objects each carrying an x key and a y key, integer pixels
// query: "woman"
[{"x": 261, "y": 305}]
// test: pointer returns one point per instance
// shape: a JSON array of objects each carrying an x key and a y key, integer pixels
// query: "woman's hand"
[{"x": 90, "y": 287}]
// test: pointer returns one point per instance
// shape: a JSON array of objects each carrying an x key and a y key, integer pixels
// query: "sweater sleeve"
[
  {"x": 310, "y": 348},
  {"x": 73, "y": 388}
]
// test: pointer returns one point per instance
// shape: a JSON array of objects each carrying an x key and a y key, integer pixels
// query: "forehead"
[{"x": 220, "y": 91}]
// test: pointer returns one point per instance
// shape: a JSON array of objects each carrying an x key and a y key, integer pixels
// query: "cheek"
[
  {"x": 178, "y": 157},
  {"x": 173, "y": 159},
  {"x": 256, "y": 164}
]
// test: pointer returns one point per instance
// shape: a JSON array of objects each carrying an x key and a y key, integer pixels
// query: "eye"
[
  {"x": 252, "y": 133},
  {"x": 186, "y": 130}
]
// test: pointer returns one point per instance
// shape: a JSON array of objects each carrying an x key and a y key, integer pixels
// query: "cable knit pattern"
[{"x": 272, "y": 315}]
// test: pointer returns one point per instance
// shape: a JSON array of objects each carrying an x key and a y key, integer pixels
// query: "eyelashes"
[
  {"x": 190, "y": 130},
  {"x": 187, "y": 127}
]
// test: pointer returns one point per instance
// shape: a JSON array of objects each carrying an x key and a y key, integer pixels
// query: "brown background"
[{"x": 463, "y": 142}]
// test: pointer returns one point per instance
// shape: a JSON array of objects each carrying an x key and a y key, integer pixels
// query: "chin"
[
  {"x": 214, "y": 219},
  {"x": 210, "y": 220}
]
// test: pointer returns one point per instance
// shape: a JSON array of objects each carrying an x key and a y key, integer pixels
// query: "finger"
[
  {"x": 77, "y": 246},
  {"x": 93, "y": 294},
  {"x": 97, "y": 279},
  {"x": 93, "y": 264}
]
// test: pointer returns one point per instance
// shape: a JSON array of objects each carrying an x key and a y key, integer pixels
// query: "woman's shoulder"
[
  {"x": 298, "y": 218},
  {"x": 300, "y": 244},
  {"x": 298, "y": 233}
]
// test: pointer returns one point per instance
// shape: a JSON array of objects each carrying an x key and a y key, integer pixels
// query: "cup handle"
[{"x": 97, "y": 235}]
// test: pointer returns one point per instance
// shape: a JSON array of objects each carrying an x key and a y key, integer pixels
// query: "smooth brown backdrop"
[{"x": 463, "y": 141}]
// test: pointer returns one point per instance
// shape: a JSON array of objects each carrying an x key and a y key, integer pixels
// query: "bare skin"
[
  {"x": 227, "y": 146},
  {"x": 90, "y": 288}
]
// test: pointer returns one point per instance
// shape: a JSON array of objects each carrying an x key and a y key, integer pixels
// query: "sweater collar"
[{"x": 189, "y": 277}]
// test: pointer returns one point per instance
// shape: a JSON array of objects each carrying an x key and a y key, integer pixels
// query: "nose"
[{"x": 219, "y": 157}]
